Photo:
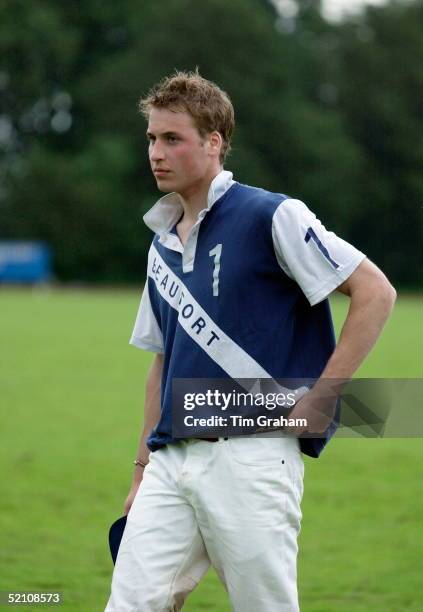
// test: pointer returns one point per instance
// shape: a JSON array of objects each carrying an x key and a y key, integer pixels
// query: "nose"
[{"x": 156, "y": 151}]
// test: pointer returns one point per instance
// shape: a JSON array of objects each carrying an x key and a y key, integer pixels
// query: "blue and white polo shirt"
[{"x": 247, "y": 295}]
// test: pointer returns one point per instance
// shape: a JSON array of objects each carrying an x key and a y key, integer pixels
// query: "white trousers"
[{"x": 234, "y": 504}]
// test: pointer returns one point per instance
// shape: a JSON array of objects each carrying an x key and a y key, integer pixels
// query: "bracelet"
[{"x": 141, "y": 463}]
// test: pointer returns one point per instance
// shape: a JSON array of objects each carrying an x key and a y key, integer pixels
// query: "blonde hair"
[{"x": 209, "y": 106}]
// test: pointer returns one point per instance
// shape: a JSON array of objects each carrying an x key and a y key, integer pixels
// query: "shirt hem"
[
  {"x": 146, "y": 346},
  {"x": 334, "y": 282}
]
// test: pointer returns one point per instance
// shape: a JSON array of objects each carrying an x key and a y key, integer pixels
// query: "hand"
[
  {"x": 317, "y": 408},
  {"x": 131, "y": 495}
]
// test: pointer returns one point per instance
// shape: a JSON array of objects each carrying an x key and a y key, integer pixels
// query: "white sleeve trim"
[
  {"x": 333, "y": 283},
  {"x": 147, "y": 334},
  {"x": 141, "y": 344},
  {"x": 317, "y": 259}
]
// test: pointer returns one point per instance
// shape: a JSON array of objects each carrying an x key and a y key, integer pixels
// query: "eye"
[{"x": 172, "y": 139}]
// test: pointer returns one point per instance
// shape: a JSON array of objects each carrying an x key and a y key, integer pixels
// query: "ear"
[{"x": 215, "y": 143}]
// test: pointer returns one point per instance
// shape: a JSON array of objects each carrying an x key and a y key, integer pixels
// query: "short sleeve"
[
  {"x": 147, "y": 334},
  {"x": 318, "y": 260}
]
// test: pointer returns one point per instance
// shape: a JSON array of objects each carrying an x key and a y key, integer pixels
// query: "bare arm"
[
  {"x": 372, "y": 299},
  {"x": 151, "y": 418}
]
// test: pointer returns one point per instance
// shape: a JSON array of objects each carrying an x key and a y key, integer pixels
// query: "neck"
[{"x": 195, "y": 199}]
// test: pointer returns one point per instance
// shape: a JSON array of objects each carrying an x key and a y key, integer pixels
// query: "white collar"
[{"x": 168, "y": 210}]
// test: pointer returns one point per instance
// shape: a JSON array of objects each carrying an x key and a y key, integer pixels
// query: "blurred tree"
[
  {"x": 380, "y": 84},
  {"x": 75, "y": 170},
  {"x": 63, "y": 181}
]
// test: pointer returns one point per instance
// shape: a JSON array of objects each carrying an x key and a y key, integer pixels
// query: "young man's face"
[{"x": 180, "y": 158}]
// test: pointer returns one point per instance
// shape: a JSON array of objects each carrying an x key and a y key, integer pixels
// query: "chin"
[
  {"x": 164, "y": 186},
  {"x": 170, "y": 187}
]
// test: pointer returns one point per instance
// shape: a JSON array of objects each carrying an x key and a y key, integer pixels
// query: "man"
[{"x": 237, "y": 286}]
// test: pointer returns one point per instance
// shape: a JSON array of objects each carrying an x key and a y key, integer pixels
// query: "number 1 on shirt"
[{"x": 216, "y": 253}]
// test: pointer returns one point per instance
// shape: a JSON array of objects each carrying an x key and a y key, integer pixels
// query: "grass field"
[{"x": 72, "y": 396}]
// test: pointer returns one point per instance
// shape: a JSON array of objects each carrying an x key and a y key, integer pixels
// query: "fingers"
[
  {"x": 131, "y": 496},
  {"x": 128, "y": 503}
]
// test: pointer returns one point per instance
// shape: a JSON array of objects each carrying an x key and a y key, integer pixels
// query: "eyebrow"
[{"x": 148, "y": 134}]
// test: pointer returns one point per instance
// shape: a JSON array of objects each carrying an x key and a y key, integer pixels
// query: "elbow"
[
  {"x": 380, "y": 293},
  {"x": 369, "y": 286},
  {"x": 391, "y": 294},
  {"x": 154, "y": 376},
  {"x": 387, "y": 295}
]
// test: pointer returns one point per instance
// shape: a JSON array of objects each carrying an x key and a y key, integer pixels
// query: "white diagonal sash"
[{"x": 224, "y": 351}]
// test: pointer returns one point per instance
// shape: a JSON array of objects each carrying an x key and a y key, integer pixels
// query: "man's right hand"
[{"x": 131, "y": 496}]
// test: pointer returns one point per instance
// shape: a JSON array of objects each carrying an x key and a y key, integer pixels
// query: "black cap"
[{"x": 115, "y": 536}]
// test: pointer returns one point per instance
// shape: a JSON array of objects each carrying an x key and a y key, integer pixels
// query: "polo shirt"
[{"x": 246, "y": 297}]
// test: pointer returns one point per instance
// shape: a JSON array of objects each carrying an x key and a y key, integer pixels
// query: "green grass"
[{"x": 72, "y": 395}]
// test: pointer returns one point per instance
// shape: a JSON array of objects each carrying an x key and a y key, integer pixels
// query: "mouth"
[{"x": 160, "y": 172}]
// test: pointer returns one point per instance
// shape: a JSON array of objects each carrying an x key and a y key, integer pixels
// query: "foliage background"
[
  {"x": 329, "y": 113},
  {"x": 71, "y": 405}
]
